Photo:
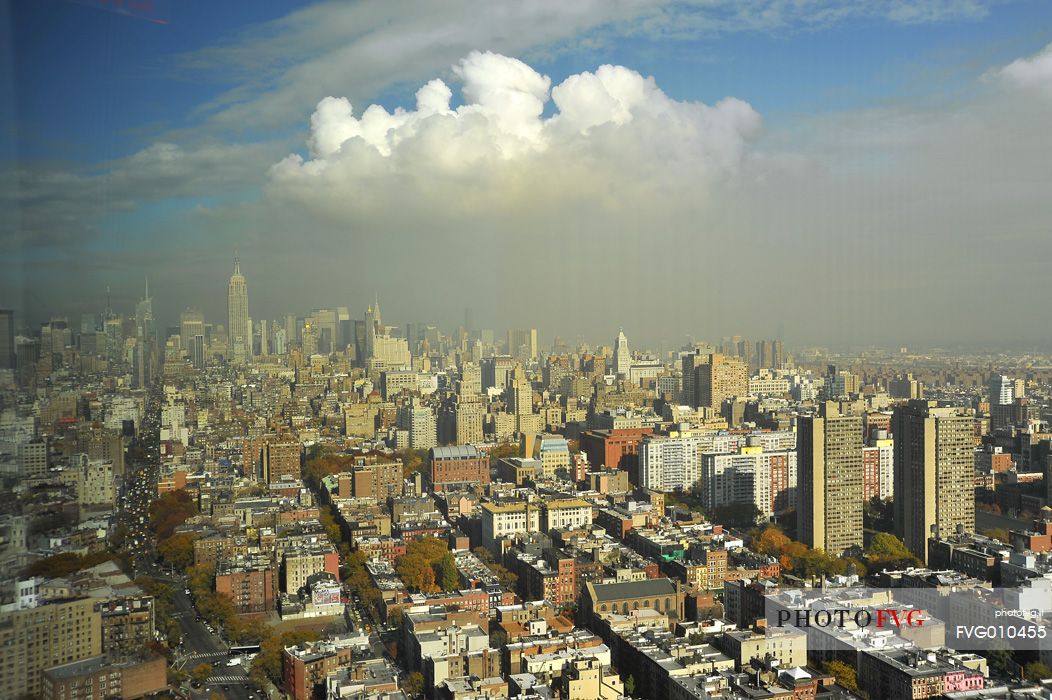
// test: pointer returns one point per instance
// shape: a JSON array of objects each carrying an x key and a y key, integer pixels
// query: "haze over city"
[{"x": 857, "y": 173}]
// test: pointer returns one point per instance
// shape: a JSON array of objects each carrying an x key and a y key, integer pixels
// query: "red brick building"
[
  {"x": 615, "y": 449},
  {"x": 281, "y": 460},
  {"x": 459, "y": 467},
  {"x": 552, "y": 578},
  {"x": 305, "y": 667},
  {"x": 248, "y": 582}
]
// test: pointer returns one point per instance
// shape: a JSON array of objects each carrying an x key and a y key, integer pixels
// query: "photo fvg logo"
[{"x": 881, "y": 618}]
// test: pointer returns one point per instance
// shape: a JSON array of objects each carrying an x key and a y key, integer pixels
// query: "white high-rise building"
[
  {"x": 666, "y": 464},
  {"x": 751, "y": 475},
  {"x": 420, "y": 421},
  {"x": 622, "y": 355},
  {"x": 239, "y": 329},
  {"x": 1002, "y": 390}
]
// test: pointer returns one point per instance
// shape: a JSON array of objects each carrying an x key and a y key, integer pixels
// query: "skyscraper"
[
  {"x": 197, "y": 351},
  {"x": 689, "y": 361},
  {"x": 191, "y": 323},
  {"x": 519, "y": 392},
  {"x": 264, "y": 338},
  {"x": 622, "y": 355},
  {"x": 7, "y": 339},
  {"x": 419, "y": 420},
  {"x": 829, "y": 466},
  {"x": 522, "y": 344},
  {"x": 238, "y": 330},
  {"x": 934, "y": 472},
  {"x": 769, "y": 354},
  {"x": 1002, "y": 390},
  {"x": 720, "y": 377},
  {"x": 146, "y": 329}
]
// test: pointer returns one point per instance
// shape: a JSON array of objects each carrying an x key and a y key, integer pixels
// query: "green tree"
[
  {"x": 414, "y": 684},
  {"x": 736, "y": 514},
  {"x": 446, "y": 573},
  {"x": 173, "y": 633},
  {"x": 176, "y": 675},
  {"x": 267, "y": 666},
  {"x": 1000, "y": 659},
  {"x": 878, "y": 514},
  {"x": 178, "y": 550},
  {"x": 1037, "y": 671},
  {"x": 997, "y": 533},
  {"x": 201, "y": 672},
  {"x": 497, "y": 638},
  {"x": 163, "y": 608},
  {"x": 845, "y": 675},
  {"x": 630, "y": 685},
  {"x": 886, "y": 551},
  {"x": 884, "y": 545}
]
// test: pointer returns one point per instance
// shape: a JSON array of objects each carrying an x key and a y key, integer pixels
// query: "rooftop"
[
  {"x": 455, "y": 452},
  {"x": 634, "y": 589}
]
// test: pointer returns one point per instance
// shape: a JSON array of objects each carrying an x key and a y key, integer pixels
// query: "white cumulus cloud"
[
  {"x": 1031, "y": 72},
  {"x": 609, "y": 136}
]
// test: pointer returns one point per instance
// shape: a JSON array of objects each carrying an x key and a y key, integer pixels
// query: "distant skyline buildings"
[
  {"x": 532, "y": 343},
  {"x": 759, "y": 353}
]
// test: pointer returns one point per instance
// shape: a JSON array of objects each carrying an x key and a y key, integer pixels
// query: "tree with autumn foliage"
[
  {"x": 413, "y": 685},
  {"x": 64, "y": 564},
  {"x": 845, "y": 675},
  {"x": 416, "y": 573},
  {"x": 324, "y": 464},
  {"x": 267, "y": 666},
  {"x": 201, "y": 673},
  {"x": 170, "y": 511},
  {"x": 795, "y": 556},
  {"x": 412, "y": 460},
  {"x": 427, "y": 566},
  {"x": 770, "y": 541}
]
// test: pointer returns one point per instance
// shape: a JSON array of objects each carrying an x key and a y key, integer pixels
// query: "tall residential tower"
[
  {"x": 829, "y": 466},
  {"x": 934, "y": 472}
]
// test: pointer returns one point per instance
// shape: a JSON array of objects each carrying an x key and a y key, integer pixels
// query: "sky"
[{"x": 832, "y": 173}]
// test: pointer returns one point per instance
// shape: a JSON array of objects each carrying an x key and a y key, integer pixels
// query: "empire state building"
[{"x": 238, "y": 330}]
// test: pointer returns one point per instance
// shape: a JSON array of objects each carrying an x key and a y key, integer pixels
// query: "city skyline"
[{"x": 773, "y": 164}]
